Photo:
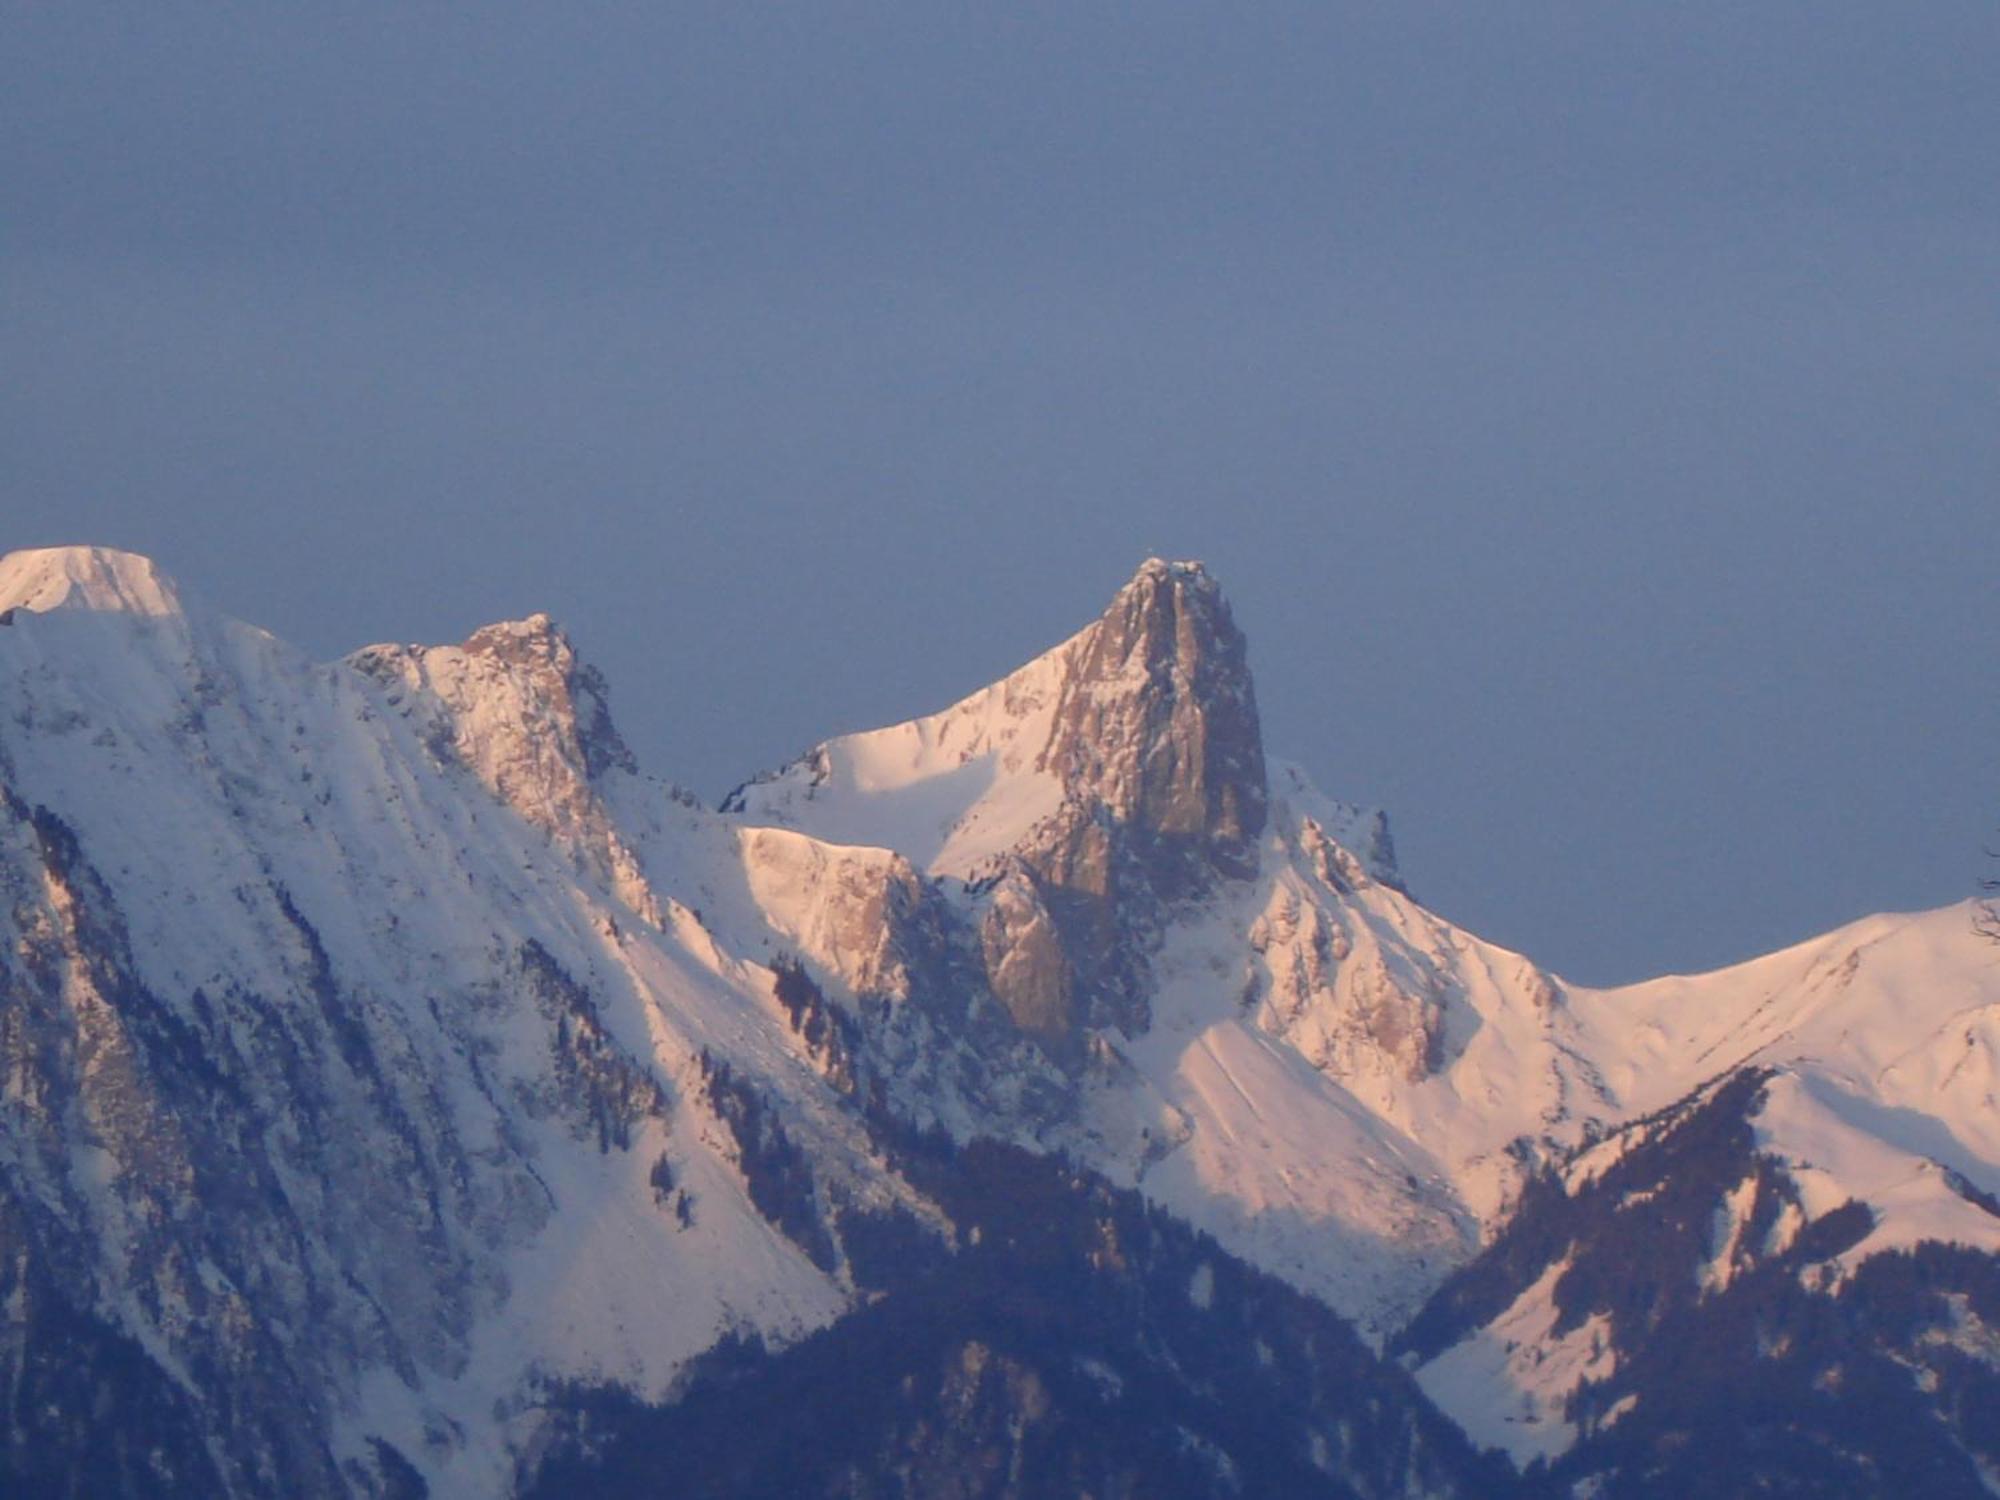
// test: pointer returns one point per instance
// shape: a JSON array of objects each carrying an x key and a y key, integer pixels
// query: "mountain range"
[{"x": 405, "y": 1092}]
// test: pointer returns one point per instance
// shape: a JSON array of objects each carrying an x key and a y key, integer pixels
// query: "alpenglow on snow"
[{"x": 406, "y": 1093}]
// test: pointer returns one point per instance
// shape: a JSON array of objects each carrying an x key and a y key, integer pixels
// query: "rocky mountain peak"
[
  {"x": 538, "y": 654},
  {"x": 518, "y": 708},
  {"x": 100, "y": 579},
  {"x": 1157, "y": 716},
  {"x": 1082, "y": 799},
  {"x": 518, "y": 683}
]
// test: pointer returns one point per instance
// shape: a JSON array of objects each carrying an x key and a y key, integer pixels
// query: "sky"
[{"x": 1592, "y": 411}]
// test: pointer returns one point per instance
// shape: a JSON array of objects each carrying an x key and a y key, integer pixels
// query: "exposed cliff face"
[
  {"x": 1084, "y": 796},
  {"x": 864, "y": 917},
  {"x": 515, "y": 707},
  {"x": 1156, "y": 722},
  {"x": 1154, "y": 741}
]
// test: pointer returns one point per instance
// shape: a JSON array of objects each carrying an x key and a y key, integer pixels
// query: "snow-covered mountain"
[
  {"x": 390, "y": 1062},
  {"x": 353, "y": 1093},
  {"x": 1807, "y": 1140}
]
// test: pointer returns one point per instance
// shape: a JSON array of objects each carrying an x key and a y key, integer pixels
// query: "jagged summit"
[
  {"x": 518, "y": 708},
  {"x": 1148, "y": 715},
  {"x": 1158, "y": 716},
  {"x": 1155, "y": 570},
  {"x": 101, "y": 579},
  {"x": 523, "y": 677},
  {"x": 1079, "y": 799}
]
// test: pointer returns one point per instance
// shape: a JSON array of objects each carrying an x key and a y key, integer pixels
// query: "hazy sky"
[{"x": 1593, "y": 411}]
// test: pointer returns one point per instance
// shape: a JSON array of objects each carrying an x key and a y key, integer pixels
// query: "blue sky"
[{"x": 1590, "y": 410}]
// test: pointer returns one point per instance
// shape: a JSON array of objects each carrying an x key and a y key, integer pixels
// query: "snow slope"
[
  {"x": 1886, "y": 1037},
  {"x": 947, "y": 792},
  {"x": 1875, "y": 1044},
  {"x": 456, "y": 1053}
]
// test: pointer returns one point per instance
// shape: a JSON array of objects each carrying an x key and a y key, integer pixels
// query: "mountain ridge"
[{"x": 416, "y": 928}]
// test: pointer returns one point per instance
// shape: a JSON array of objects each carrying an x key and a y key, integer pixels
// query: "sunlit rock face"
[
  {"x": 1157, "y": 722},
  {"x": 1081, "y": 800},
  {"x": 1155, "y": 742},
  {"x": 516, "y": 707}
]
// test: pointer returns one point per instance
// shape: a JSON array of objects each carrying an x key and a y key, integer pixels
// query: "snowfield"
[{"x": 423, "y": 915}]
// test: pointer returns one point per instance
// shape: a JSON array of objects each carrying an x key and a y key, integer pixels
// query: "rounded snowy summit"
[{"x": 90, "y": 578}]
